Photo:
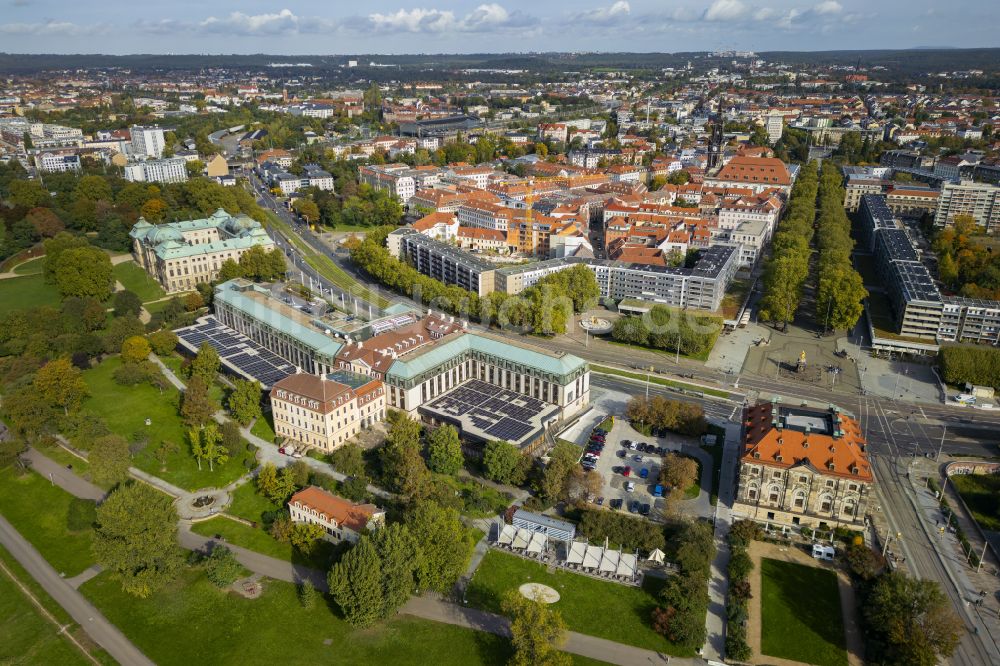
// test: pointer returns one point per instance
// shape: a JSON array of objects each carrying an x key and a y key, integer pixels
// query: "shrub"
[
  {"x": 307, "y": 594},
  {"x": 221, "y": 567}
]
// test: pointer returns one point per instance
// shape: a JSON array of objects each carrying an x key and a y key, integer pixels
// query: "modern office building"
[
  {"x": 57, "y": 162},
  {"x": 147, "y": 141},
  {"x": 170, "y": 170},
  {"x": 803, "y": 467},
  {"x": 182, "y": 254},
  {"x": 442, "y": 261}
]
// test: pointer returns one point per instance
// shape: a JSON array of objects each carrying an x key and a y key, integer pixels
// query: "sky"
[{"x": 440, "y": 26}]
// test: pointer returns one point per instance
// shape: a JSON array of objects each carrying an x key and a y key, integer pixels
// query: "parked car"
[
  {"x": 644, "y": 473},
  {"x": 600, "y": 501},
  {"x": 658, "y": 491},
  {"x": 627, "y": 471},
  {"x": 637, "y": 458},
  {"x": 622, "y": 453},
  {"x": 626, "y": 442},
  {"x": 644, "y": 509},
  {"x": 633, "y": 506},
  {"x": 616, "y": 503},
  {"x": 629, "y": 486}
]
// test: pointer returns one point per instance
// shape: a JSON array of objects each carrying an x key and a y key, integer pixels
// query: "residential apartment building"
[
  {"x": 57, "y": 162},
  {"x": 180, "y": 255},
  {"x": 147, "y": 142},
  {"x": 170, "y": 170},
  {"x": 980, "y": 200},
  {"x": 774, "y": 124},
  {"x": 341, "y": 519},
  {"x": 395, "y": 179},
  {"x": 442, "y": 261},
  {"x": 325, "y": 411},
  {"x": 803, "y": 467},
  {"x": 912, "y": 201}
]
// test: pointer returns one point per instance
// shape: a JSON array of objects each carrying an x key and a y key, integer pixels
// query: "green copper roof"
[
  {"x": 446, "y": 350},
  {"x": 229, "y": 293},
  {"x": 236, "y": 233}
]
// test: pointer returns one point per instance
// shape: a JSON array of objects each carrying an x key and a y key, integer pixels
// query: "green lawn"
[
  {"x": 326, "y": 266},
  {"x": 590, "y": 606},
  {"x": 27, "y": 292},
  {"x": 981, "y": 493},
  {"x": 125, "y": 410},
  {"x": 38, "y": 510},
  {"x": 701, "y": 356},
  {"x": 60, "y": 455},
  {"x": 210, "y": 626},
  {"x": 248, "y": 504},
  {"x": 695, "y": 488},
  {"x": 263, "y": 428},
  {"x": 258, "y": 540},
  {"x": 138, "y": 281},
  {"x": 604, "y": 370},
  {"x": 800, "y": 614},
  {"x": 26, "y": 635},
  {"x": 30, "y": 267}
]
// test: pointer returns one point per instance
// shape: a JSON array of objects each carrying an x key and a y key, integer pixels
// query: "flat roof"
[{"x": 547, "y": 521}]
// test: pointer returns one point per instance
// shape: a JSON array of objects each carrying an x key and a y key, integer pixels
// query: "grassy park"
[
  {"x": 125, "y": 410},
  {"x": 981, "y": 493},
  {"x": 800, "y": 614},
  {"x": 30, "y": 267},
  {"x": 223, "y": 628},
  {"x": 39, "y": 511},
  {"x": 29, "y": 635},
  {"x": 264, "y": 428},
  {"x": 138, "y": 281},
  {"x": 590, "y": 606},
  {"x": 25, "y": 292}
]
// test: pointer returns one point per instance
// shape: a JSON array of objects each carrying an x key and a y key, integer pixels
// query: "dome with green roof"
[{"x": 165, "y": 233}]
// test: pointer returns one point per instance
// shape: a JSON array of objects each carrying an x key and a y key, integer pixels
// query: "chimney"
[{"x": 360, "y": 344}]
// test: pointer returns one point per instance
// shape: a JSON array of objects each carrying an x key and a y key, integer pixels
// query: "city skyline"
[{"x": 313, "y": 28}]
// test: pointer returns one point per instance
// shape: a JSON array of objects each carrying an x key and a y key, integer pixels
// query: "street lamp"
[{"x": 885, "y": 547}]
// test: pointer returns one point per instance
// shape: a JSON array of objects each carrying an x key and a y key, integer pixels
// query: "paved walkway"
[
  {"x": 90, "y": 572},
  {"x": 62, "y": 477},
  {"x": 82, "y": 611},
  {"x": 718, "y": 587}
]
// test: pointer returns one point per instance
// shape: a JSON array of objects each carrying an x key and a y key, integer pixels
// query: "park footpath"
[
  {"x": 715, "y": 622},
  {"x": 428, "y": 606}
]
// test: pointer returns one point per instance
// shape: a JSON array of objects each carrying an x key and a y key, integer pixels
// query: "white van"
[{"x": 821, "y": 552}]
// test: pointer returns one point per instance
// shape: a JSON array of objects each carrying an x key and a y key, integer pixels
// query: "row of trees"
[
  {"x": 786, "y": 270},
  {"x": 839, "y": 288},
  {"x": 255, "y": 264},
  {"x": 543, "y": 309},
  {"x": 669, "y": 329},
  {"x": 683, "y": 603},
  {"x": 686, "y": 418},
  {"x": 621, "y": 530},
  {"x": 967, "y": 363}
]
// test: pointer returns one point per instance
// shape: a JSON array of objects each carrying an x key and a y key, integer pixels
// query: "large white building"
[
  {"x": 147, "y": 141},
  {"x": 980, "y": 200},
  {"x": 182, "y": 254},
  {"x": 170, "y": 170},
  {"x": 341, "y": 519},
  {"x": 57, "y": 163}
]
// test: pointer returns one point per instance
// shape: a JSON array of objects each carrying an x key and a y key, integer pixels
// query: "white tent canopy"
[
  {"x": 626, "y": 565},
  {"x": 506, "y": 536},
  {"x": 609, "y": 561},
  {"x": 576, "y": 552},
  {"x": 537, "y": 543},
  {"x": 657, "y": 556},
  {"x": 521, "y": 539},
  {"x": 592, "y": 558}
]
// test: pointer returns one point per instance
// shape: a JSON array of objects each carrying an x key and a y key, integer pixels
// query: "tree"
[
  {"x": 307, "y": 208},
  {"x": 274, "y": 486},
  {"x": 94, "y": 188},
  {"x": 348, "y": 459},
  {"x": 206, "y": 444},
  {"x": 397, "y": 550},
  {"x": 562, "y": 459},
  {"x": 356, "y": 584},
  {"x": 308, "y": 596},
  {"x": 109, "y": 460},
  {"x": 244, "y": 401},
  {"x": 61, "y": 384},
  {"x": 537, "y": 632},
  {"x": 504, "y": 463},
  {"x": 56, "y": 246},
  {"x": 46, "y": 223},
  {"x": 914, "y": 618},
  {"x": 28, "y": 193},
  {"x": 678, "y": 472},
  {"x": 305, "y": 536},
  {"x": 84, "y": 271},
  {"x": 163, "y": 342},
  {"x": 127, "y": 303},
  {"x": 135, "y": 349},
  {"x": 444, "y": 450},
  {"x": 136, "y": 538},
  {"x": 222, "y": 568},
  {"x": 205, "y": 364},
  {"x": 445, "y": 546},
  {"x": 581, "y": 484},
  {"x": 229, "y": 270},
  {"x": 196, "y": 405}
]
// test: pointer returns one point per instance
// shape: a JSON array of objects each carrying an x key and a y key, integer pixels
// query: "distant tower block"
[{"x": 801, "y": 365}]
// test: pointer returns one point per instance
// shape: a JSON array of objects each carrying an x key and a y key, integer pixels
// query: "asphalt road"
[{"x": 82, "y": 611}]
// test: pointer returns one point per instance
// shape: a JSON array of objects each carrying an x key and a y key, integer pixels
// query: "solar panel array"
[
  {"x": 498, "y": 412},
  {"x": 238, "y": 351}
]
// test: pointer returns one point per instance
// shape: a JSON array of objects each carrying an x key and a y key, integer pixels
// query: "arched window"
[
  {"x": 825, "y": 503},
  {"x": 773, "y": 493},
  {"x": 752, "y": 491},
  {"x": 849, "y": 508},
  {"x": 799, "y": 499}
]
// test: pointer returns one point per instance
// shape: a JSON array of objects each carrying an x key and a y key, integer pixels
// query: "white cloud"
[
  {"x": 828, "y": 7},
  {"x": 256, "y": 24},
  {"x": 618, "y": 11},
  {"x": 60, "y": 28},
  {"x": 484, "y": 18},
  {"x": 726, "y": 10}
]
